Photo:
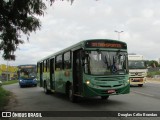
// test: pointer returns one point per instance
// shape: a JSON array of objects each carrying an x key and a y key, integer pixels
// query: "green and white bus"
[{"x": 97, "y": 67}]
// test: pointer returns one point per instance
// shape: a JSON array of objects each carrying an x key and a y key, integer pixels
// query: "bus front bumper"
[
  {"x": 91, "y": 92},
  {"x": 136, "y": 81}
]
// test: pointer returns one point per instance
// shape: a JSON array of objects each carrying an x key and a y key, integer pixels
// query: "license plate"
[
  {"x": 111, "y": 91},
  {"x": 136, "y": 80}
]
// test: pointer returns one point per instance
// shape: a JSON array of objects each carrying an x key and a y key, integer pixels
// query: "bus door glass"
[
  {"x": 77, "y": 71},
  {"x": 52, "y": 81}
]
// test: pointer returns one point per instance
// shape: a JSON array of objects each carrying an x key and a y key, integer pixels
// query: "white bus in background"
[{"x": 137, "y": 70}]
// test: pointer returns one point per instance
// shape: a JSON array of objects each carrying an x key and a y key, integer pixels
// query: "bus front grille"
[
  {"x": 109, "y": 78},
  {"x": 109, "y": 86},
  {"x": 105, "y": 86}
]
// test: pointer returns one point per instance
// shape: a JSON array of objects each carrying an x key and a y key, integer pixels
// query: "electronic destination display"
[{"x": 105, "y": 44}]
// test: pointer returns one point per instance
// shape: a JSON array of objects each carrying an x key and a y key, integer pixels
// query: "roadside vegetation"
[
  {"x": 4, "y": 98},
  {"x": 9, "y": 82},
  {"x": 4, "y": 95},
  {"x": 152, "y": 74}
]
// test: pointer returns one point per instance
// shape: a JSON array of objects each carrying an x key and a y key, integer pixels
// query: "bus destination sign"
[
  {"x": 105, "y": 44},
  {"x": 108, "y": 45}
]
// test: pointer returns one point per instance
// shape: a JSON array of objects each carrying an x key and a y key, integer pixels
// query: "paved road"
[
  {"x": 146, "y": 98},
  {"x": 150, "y": 89}
]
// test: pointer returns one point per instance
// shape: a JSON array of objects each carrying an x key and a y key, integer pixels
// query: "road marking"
[{"x": 143, "y": 93}]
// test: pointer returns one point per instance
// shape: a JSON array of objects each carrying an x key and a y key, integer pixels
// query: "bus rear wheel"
[
  {"x": 46, "y": 89},
  {"x": 104, "y": 97},
  {"x": 72, "y": 97}
]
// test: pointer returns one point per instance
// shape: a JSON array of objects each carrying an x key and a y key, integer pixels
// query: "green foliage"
[
  {"x": 151, "y": 74},
  {"x": 4, "y": 97},
  {"x": 152, "y": 63},
  {"x": 10, "y": 82},
  {"x": 18, "y": 17}
]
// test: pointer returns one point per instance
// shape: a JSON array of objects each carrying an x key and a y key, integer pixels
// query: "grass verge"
[
  {"x": 4, "y": 95},
  {"x": 10, "y": 82},
  {"x": 4, "y": 98},
  {"x": 151, "y": 74}
]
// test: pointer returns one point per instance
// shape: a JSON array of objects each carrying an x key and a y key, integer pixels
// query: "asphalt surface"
[{"x": 146, "y": 98}]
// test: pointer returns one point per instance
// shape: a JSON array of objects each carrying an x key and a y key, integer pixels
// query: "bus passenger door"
[
  {"x": 41, "y": 74},
  {"x": 52, "y": 81},
  {"x": 77, "y": 72}
]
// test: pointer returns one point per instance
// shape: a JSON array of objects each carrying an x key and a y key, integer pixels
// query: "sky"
[{"x": 64, "y": 25}]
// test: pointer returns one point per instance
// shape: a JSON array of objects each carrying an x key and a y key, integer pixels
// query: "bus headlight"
[
  {"x": 21, "y": 80},
  {"x": 87, "y": 82}
]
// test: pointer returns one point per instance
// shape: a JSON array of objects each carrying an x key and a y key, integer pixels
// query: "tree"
[
  {"x": 152, "y": 63},
  {"x": 18, "y": 17}
]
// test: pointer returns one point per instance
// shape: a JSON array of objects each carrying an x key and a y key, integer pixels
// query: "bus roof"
[
  {"x": 81, "y": 44},
  {"x": 27, "y": 65}
]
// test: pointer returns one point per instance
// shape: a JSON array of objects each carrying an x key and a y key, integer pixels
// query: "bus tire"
[
  {"x": 104, "y": 97},
  {"x": 72, "y": 97},
  {"x": 140, "y": 85},
  {"x": 68, "y": 84},
  {"x": 46, "y": 89}
]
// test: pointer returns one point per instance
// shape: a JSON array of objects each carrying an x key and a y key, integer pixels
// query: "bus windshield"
[
  {"x": 137, "y": 65},
  {"x": 106, "y": 62},
  {"x": 27, "y": 73}
]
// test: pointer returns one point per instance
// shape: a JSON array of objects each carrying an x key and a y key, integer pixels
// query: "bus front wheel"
[
  {"x": 72, "y": 97},
  {"x": 104, "y": 97},
  {"x": 140, "y": 85}
]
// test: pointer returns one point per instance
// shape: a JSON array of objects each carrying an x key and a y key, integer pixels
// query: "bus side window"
[
  {"x": 44, "y": 66},
  {"x": 67, "y": 60},
  {"x": 58, "y": 65}
]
